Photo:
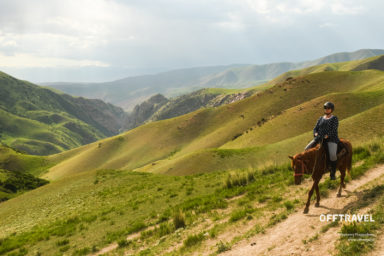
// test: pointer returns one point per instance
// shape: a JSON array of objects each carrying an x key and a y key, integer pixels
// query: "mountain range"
[
  {"x": 130, "y": 91},
  {"x": 57, "y": 121}
]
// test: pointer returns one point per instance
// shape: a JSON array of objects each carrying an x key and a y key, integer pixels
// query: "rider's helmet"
[{"x": 329, "y": 105}]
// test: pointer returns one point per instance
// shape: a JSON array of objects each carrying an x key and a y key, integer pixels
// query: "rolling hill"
[
  {"x": 228, "y": 176},
  {"x": 258, "y": 130},
  {"x": 41, "y": 121},
  {"x": 129, "y": 92},
  {"x": 19, "y": 172},
  {"x": 159, "y": 108}
]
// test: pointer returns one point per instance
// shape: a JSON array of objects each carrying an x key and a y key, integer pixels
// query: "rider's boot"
[{"x": 333, "y": 165}]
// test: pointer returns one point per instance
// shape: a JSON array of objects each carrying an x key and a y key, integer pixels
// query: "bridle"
[{"x": 303, "y": 168}]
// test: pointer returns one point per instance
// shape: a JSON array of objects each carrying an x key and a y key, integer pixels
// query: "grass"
[
  {"x": 240, "y": 213},
  {"x": 40, "y": 121},
  {"x": 18, "y": 172},
  {"x": 222, "y": 247},
  {"x": 360, "y": 243},
  {"x": 95, "y": 206},
  {"x": 133, "y": 202},
  {"x": 179, "y": 220},
  {"x": 326, "y": 227},
  {"x": 193, "y": 240}
]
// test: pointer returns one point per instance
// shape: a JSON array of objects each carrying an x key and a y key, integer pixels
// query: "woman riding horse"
[
  {"x": 326, "y": 129},
  {"x": 314, "y": 159}
]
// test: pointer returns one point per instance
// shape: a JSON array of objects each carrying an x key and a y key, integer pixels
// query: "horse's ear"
[{"x": 291, "y": 157}]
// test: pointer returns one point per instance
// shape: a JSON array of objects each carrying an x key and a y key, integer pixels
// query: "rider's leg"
[
  {"x": 311, "y": 144},
  {"x": 332, "y": 150}
]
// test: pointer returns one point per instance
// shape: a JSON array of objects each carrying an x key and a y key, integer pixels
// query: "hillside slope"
[
  {"x": 40, "y": 121},
  {"x": 197, "y": 142},
  {"x": 374, "y": 62},
  {"x": 110, "y": 196},
  {"x": 125, "y": 212},
  {"x": 159, "y": 108},
  {"x": 18, "y": 172}
]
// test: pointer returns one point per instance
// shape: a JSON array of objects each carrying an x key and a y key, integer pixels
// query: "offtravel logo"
[
  {"x": 352, "y": 218},
  {"x": 347, "y": 217}
]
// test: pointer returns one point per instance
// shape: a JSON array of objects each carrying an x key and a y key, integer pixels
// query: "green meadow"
[
  {"x": 184, "y": 185},
  {"x": 192, "y": 211}
]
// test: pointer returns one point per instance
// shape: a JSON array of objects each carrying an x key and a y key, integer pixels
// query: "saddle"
[{"x": 341, "y": 150}]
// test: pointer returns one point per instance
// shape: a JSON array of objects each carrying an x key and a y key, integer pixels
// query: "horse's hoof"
[
  {"x": 317, "y": 204},
  {"x": 338, "y": 195},
  {"x": 306, "y": 210}
]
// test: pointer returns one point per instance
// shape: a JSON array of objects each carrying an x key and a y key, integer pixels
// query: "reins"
[{"x": 304, "y": 167}]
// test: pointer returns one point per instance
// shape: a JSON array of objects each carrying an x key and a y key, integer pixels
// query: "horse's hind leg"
[
  {"x": 342, "y": 184},
  {"x": 306, "y": 209},
  {"x": 317, "y": 195}
]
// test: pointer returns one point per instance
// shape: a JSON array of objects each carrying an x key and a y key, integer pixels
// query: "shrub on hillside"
[
  {"x": 179, "y": 220},
  {"x": 193, "y": 240}
]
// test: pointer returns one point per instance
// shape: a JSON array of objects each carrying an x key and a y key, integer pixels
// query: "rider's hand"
[
  {"x": 326, "y": 137},
  {"x": 315, "y": 134}
]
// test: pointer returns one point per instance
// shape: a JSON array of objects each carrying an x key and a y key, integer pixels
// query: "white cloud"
[
  {"x": 180, "y": 33},
  {"x": 340, "y": 8},
  {"x": 327, "y": 25},
  {"x": 21, "y": 60}
]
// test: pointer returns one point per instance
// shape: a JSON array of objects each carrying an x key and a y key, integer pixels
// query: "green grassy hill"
[
  {"x": 228, "y": 169},
  {"x": 40, "y": 121},
  {"x": 152, "y": 214},
  {"x": 375, "y": 62},
  {"x": 18, "y": 172},
  {"x": 261, "y": 129},
  {"x": 159, "y": 108}
]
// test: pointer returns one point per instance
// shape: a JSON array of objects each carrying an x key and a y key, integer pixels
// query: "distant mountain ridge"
[{"x": 130, "y": 91}]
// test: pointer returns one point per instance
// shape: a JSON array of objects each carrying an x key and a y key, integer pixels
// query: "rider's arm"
[{"x": 316, "y": 129}]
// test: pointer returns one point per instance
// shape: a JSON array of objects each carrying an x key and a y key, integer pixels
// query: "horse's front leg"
[
  {"x": 306, "y": 209},
  {"x": 342, "y": 184}
]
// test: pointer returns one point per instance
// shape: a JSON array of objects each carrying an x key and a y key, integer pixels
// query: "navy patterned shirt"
[{"x": 327, "y": 127}]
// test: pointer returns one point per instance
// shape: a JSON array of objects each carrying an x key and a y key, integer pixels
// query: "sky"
[{"x": 104, "y": 40}]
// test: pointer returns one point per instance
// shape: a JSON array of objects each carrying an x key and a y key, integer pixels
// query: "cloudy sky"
[{"x": 102, "y": 40}]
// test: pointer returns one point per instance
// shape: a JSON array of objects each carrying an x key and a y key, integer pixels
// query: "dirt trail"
[
  {"x": 114, "y": 246},
  {"x": 379, "y": 250},
  {"x": 107, "y": 249},
  {"x": 286, "y": 238}
]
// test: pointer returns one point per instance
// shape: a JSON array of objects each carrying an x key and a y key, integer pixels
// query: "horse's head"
[{"x": 299, "y": 166}]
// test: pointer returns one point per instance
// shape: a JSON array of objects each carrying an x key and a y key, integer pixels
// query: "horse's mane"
[{"x": 308, "y": 154}]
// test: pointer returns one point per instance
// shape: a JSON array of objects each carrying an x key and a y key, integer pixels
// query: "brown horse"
[{"x": 314, "y": 161}]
